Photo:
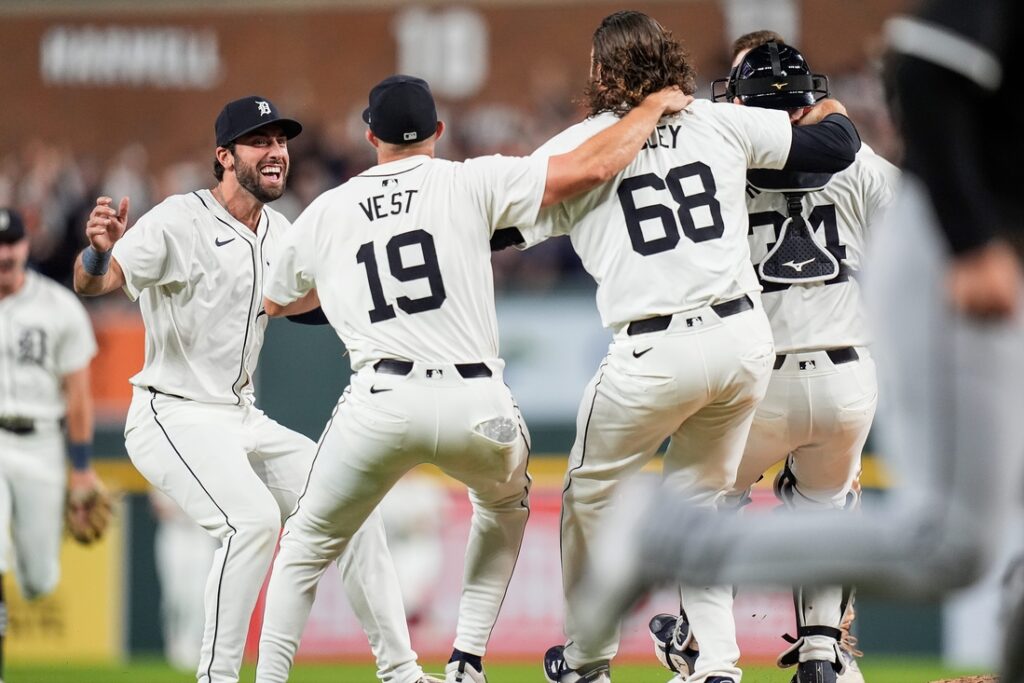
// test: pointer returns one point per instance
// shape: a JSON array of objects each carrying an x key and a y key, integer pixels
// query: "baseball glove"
[{"x": 87, "y": 512}]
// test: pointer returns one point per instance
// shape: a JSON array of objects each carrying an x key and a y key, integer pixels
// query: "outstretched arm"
[
  {"x": 600, "y": 158},
  {"x": 96, "y": 272}
]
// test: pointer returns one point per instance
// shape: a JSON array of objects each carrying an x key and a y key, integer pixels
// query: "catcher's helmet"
[{"x": 772, "y": 76}]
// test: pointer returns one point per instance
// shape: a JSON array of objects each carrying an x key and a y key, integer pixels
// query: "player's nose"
[{"x": 278, "y": 149}]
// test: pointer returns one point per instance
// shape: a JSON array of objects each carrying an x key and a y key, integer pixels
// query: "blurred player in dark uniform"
[{"x": 945, "y": 293}]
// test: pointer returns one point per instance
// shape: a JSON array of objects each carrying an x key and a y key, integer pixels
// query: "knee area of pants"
[
  {"x": 949, "y": 558},
  {"x": 951, "y": 566},
  {"x": 259, "y": 529},
  {"x": 516, "y": 502}
]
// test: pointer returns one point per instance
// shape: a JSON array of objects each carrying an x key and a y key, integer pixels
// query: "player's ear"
[
  {"x": 796, "y": 114},
  {"x": 440, "y": 131},
  {"x": 225, "y": 157},
  {"x": 372, "y": 139}
]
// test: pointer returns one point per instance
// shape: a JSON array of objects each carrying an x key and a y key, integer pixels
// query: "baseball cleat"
[
  {"x": 720, "y": 679},
  {"x": 851, "y": 674},
  {"x": 671, "y": 635},
  {"x": 816, "y": 671},
  {"x": 428, "y": 679},
  {"x": 461, "y": 671},
  {"x": 556, "y": 670}
]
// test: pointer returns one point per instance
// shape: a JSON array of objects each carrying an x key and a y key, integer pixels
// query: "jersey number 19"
[{"x": 427, "y": 270}]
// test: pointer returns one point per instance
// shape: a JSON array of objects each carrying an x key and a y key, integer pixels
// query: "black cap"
[
  {"x": 401, "y": 110},
  {"x": 12, "y": 228},
  {"x": 246, "y": 115}
]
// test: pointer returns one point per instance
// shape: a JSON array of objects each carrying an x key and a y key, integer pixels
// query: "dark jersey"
[{"x": 954, "y": 87}]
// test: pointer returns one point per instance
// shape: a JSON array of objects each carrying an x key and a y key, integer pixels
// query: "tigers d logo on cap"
[
  {"x": 245, "y": 115},
  {"x": 402, "y": 110}
]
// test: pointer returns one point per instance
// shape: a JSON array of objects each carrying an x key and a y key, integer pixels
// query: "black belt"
[
  {"x": 393, "y": 366},
  {"x": 846, "y": 354},
  {"x": 661, "y": 322},
  {"x": 17, "y": 425}
]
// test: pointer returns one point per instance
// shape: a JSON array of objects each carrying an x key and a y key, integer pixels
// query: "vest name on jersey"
[{"x": 397, "y": 203}]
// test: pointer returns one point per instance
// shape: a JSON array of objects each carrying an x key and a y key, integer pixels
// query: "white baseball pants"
[
  {"x": 238, "y": 473},
  {"x": 383, "y": 426},
  {"x": 33, "y": 479},
  {"x": 816, "y": 415},
  {"x": 698, "y": 382}
]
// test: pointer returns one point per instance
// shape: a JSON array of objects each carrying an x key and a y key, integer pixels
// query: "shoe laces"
[{"x": 848, "y": 641}]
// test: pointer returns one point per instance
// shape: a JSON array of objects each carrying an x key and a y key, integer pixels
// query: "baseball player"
[
  {"x": 944, "y": 291},
  {"x": 399, "y": 257},
  {"x": 692, "y": 349},
  {"x": 821, "y": 398},
  {"x": 196, "y": 263},
  {"x": 46, "y": 343}
]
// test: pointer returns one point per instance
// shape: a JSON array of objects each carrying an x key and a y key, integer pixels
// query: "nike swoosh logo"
[
  {"x": 221, "y": 244},
  {"x": 798, "y": 267},
  {"x": 641, "y": 353},
  {"x": 375, "y": 390}
]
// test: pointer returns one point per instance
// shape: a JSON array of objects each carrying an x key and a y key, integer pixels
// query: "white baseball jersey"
[
  {"x": 823, "y": 315},
  {"x": 668, "y": 233},
  {"x": 400, "y": 255},
  {"x": 198, "y": 275},
  {"x": 45, "y": 334}
]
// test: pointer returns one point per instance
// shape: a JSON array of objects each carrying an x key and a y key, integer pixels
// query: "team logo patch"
[
  {"x": 32, "y": 346},
  {"x": 409, "y": 136},
  {"x": 435, "y": 373},
  {"x": 695, "y": 322},
  {"x": 263, "y": 107},
  {"x": 808, "y": 365}
]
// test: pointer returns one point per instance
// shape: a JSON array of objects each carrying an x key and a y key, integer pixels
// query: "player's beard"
[{"x": 250, "y": 179}]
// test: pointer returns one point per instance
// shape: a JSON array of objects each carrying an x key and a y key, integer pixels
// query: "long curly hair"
[{"x": 634, "y": 56}]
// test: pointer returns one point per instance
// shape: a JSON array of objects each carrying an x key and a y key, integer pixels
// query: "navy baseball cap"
[
  {"x": 12, "y": 228},
  {"x": 245, "y": 115},
  {"x": 401, "y": 110}
]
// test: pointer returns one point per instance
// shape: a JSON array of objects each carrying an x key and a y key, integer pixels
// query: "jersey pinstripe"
[{"x": 198, "y": 273}]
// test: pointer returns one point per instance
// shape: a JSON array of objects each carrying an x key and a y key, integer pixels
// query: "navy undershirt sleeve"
[{"x": 828, "y": 146}]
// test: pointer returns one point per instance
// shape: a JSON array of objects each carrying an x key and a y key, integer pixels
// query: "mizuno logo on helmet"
[{"x": 779, "y": 86}]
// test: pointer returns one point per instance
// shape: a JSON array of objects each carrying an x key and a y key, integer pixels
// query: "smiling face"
[{"x": 260, "y": 162}]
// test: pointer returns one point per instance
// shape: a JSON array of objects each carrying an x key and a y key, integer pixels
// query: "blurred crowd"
[{"x": 55, "y": 186}]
